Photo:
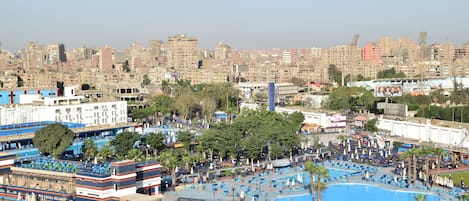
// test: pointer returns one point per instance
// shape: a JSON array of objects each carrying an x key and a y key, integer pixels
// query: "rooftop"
[{"x": 24, "y": 128}]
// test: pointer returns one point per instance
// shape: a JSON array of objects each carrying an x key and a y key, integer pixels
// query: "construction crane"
[{"x": 353, "y": 47}]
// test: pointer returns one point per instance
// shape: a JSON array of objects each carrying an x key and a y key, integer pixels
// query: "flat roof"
[
  {"x": 28, "y": 133},
  {"x": 24, "y": 128}
]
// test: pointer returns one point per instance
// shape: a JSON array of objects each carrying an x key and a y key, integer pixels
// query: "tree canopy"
[
  {"x": 53, "y": 139},
  {"x": 124, "y": 142},
  {"x": 252, "y": 134},
  {"x": 89, "y": 149},
  {"x": 354, "y": 98},
  {"x": 390, "y": 73}
]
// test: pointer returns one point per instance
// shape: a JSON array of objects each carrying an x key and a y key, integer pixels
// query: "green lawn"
[{"x": 456, "y": 177}]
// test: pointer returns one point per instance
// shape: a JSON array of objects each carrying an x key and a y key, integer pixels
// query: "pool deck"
[{"x": 269, "y": 185}]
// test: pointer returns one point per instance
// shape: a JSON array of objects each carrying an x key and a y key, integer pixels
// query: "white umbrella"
[
  {"x": 359, "y": 144},
  {"x": 352, "y": 156},
  {"x": 345, "y": 152},
  {"x": 349, "y": 148},
  {"x": 258, "y": 163},
  {"x": 404, "y": 172},
  {"x": 192, "y": 170},
  {"x": 293, "y": 182},
  {"x": 450, "y": 184},
  {"x": 367, "y": 175},
  {"x": 247, "y": 161},
  {"x": 288, "y": 182},
  {"x": 356, "y": 150},
  {"x": 395, "y": 178},
  {"x": 370, "y": 152},
  {"x": 241, "y": 195},
  {"x": 356, "y": 156}
]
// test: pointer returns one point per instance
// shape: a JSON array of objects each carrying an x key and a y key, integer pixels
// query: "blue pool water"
[
  {"x": 333, "y": 173},
  {"x": 359, "y": 192}
]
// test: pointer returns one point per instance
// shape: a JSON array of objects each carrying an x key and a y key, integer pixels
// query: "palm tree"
[
  {"x": 409, "y": 155},
  {"x": 169, "y": 161},
  {"x": 89, "y": 149},
  {"x": 420, "y": 197},
  {"x": 439, "y": 153},
  {"x": 426, "y": 152},
  {"x": 309, "y": 167},
  {"x": 321, "y": 172}
]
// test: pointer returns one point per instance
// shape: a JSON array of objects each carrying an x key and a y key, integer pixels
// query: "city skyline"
[{"x": 241, "y": 24}]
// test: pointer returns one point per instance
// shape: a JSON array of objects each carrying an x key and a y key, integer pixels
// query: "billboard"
[{"x": 388, "y": 91}]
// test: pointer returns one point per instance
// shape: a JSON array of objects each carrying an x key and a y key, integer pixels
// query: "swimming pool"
[
  {"x": 333, "y": 173},
  {"x": 361, "y": 192}
]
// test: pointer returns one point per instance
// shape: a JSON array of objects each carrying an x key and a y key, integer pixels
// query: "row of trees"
[
  {"x": 254, "y": 134},
  {"x": 425, "y": 153},
  {"x": 190, "y": 101}
]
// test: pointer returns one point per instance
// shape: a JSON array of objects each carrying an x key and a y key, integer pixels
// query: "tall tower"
[
  {"x": 422, "y": 43},
  {"x": 105, "y": 58},
  {"x": 183, "y": 52}
]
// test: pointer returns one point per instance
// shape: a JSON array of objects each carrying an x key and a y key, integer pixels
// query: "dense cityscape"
[{"x": 378, "y": 117}]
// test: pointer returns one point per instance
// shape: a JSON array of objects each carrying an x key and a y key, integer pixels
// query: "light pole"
[{"x": 233, "y": 189}]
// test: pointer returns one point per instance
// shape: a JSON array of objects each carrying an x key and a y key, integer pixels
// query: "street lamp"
[{"x": 233, "y": 189}]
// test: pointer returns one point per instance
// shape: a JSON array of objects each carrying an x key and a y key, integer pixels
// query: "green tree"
[
  {"x": 53, "y": 139},
  {"x": 354, "y": 98},
  {"x": 370, "y": 125},
  {"x": 156, "y": 141},
  {"x": 169, "y": 161},
  {"x": 321, "y": 173},
  {"x": 390, "y": 73},
  {"x": 162, "y": 104},
  {"x": 124, "y": 141},
  {"x": 146, "y": 80},
  {"x": 335, "y": 75},
  {"x": 185, "y": 104},
  {"x": 135, "y": 154},
  {"x": 260, "y": 96},
  {"x": 298, "y": 81},
  {"x": 89, "y": 149},
  {"x": 209, "y": 106},
  {"x": 106, "y": 153},
  {"x": 185, "y": 137},
  {"x": 166, "y": 87}
]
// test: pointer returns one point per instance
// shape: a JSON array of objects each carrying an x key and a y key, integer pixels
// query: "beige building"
[{"x": 182, "y": 52}]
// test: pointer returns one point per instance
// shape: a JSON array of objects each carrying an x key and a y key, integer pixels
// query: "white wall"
[
  {"x": 91, "y": 114},
  {"x": 425, "y": 132}
]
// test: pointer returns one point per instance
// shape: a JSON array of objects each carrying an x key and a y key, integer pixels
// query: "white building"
[{"x": 64, "y": 109}]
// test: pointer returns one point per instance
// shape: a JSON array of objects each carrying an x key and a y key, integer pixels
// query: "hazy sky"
[{"x": 250, "y": 24}]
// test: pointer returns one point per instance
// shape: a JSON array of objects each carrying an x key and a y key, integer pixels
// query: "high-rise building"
[
  {"x": 286, "y": 57},
  {"x": 105, "y": 58},
  {"x": 371, "y": 53},
  {"x": 183, "y": 52},
  {"x": 56, "y": 53}
]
